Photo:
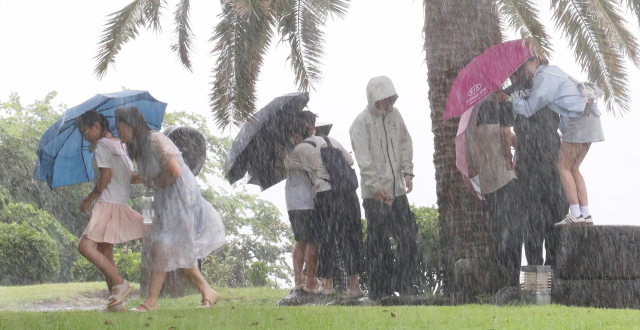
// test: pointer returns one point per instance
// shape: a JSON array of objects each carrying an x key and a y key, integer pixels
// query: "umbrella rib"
[
  {"x": 97, "y": 106},
  {"x": 65, "y": 141}
]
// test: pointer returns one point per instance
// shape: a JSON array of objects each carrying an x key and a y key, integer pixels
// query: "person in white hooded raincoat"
[{"x": 384, "y": 153}]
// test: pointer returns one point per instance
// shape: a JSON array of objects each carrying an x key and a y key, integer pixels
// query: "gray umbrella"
[{"x": 254, "y": 150}]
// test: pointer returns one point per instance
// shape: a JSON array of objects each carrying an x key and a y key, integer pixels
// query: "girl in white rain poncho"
[
  {"x": 186, "y": 227},
  {"x": 579, "y": 124}
]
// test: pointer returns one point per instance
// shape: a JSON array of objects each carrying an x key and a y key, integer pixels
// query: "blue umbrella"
[{"x": 63, "y": 155}]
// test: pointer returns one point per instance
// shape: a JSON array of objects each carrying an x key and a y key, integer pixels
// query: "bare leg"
[
  {"x": 581, "y": 187},
  {"x": 311, "y": 258},
  {"x": 155, "y": 285},
  {"x": 565, "y": 162},
  {"x": 107, "y": 250},
  {"x": 327, "y": 284},
  {"x": 87, "y": 249},
  {"x": 298, "y": 262},
  {"x": 194, "y": 276}
]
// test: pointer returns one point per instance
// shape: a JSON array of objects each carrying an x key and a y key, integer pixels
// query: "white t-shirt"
[
  {"x": 308, "y": 158},
  {"x": 298, "y": 191},
  {"x": 112, "y": 154}
]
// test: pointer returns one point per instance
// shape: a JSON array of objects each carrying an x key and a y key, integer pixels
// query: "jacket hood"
[{"x": 379, "y": 88}]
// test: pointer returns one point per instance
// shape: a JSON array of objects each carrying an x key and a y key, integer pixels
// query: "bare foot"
[{"x": 210, "y": 298}]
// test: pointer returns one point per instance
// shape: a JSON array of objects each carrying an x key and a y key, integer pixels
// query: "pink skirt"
[{"x": 114, "y": 223}]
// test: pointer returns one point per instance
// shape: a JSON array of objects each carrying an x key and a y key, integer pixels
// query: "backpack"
[{"x": 342, "y": 177}]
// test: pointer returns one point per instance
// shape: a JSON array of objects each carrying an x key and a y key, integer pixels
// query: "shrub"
[
  {"x": 257, "y": 275},
  {"x": 42, "y": 221},
  {"x": 27, "y": 256},
  {"x": 127, "y": 261}
]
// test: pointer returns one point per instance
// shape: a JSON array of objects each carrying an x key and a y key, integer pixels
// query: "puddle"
[{"x": 84, "y": 301}]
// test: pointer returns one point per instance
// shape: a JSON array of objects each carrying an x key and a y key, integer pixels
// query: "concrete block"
[
  {"x": 597, "y": 293},
  {"x": 598, "y": 253}
]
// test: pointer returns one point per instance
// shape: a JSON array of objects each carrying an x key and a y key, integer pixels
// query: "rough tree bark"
[{"x": 455, "y": 32}]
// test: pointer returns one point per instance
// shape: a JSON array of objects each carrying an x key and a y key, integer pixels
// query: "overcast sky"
[{"x": 50, "y": 45}]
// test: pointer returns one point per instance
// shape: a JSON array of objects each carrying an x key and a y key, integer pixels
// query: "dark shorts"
[{"x": 304, "y": 226}]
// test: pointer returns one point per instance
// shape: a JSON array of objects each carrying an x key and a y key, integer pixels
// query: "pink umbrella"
[
  {"x": 484, "y": 75},
  {"x": 461, "y": 148}
]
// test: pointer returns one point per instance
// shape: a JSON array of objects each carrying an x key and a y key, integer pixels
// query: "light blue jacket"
[{"x": 553, "y": 88}]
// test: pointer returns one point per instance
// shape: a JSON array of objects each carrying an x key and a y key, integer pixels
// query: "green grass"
[{"x": 255, "y": 309}]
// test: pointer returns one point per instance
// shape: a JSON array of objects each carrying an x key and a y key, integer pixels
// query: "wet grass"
[{"x": 255, "y": 309}]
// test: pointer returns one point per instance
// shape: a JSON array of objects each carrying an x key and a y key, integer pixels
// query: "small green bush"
[
  {"x": 128, "y": 264},
  {"x": 27, "y": 256},
  {"x": 45, "y": 223},
  {"x": 257, "y": 275}
]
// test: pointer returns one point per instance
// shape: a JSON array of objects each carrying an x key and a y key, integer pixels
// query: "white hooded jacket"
[{"x": 381, "y": 143}]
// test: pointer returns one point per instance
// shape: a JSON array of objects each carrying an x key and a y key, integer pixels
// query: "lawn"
[{"x": 255, "y": 309}]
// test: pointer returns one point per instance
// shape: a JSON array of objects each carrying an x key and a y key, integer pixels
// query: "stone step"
[
  {"x": 597, "y": 293},
  {"x": 597, "y": 253}
]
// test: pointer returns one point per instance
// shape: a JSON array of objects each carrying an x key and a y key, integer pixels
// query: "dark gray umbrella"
[
  {"x": 191, "y": 143},
  {"x": 254, "y": 150},
  {"x": 323, "y": 129}
]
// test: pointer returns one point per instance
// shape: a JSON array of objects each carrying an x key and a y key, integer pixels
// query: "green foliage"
[
  {"x": 43, "y": 222},
  {"x": 428, "y": 245},
  {"x": 257, "y": 275},
  {"x": 21, "y": 128},
  {"x": 27, "y": 256},
  {"x": 127, "y": 261},
  {"x": 255, "y": 232}
]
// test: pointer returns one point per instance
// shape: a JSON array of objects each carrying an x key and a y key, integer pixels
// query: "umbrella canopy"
[
  {"x": 484, "y": 75},
  {"x": 323, "y": 129},
  {"x": 254, "y": 150},
  {"x": 63, "y": 155},
  {"x": 461, "y": 149}
]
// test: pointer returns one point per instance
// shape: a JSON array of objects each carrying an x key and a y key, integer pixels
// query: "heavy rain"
[{"x": 319, "y": 164}]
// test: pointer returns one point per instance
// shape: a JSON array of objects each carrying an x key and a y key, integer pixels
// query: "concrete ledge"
[
  {"x": 597, "y": 293},
  {"x": 597, "y": 253}
]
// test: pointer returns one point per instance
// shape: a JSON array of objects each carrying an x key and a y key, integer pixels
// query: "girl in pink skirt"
[{"x": 112, "y": 220}]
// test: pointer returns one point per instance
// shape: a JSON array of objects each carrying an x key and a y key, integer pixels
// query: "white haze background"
[{"x": 50, "y": 45}]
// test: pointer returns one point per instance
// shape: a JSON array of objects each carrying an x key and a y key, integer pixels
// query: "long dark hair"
[
  {"x": 132, "y": 117},
  {"x": 88, "y": 118}
]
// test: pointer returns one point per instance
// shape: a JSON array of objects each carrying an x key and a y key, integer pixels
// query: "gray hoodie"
[{"x": 381, "y": 143}]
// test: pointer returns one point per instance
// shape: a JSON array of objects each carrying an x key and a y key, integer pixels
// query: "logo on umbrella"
[{"x": 474, "y": 90}]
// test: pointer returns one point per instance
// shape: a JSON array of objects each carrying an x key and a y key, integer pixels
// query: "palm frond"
[
  {"x": 608, "y": 15},
  {"x": 121, "y": 27},
  {"x": 246, "y": 7},
  {"x": 523, "y": 16},
  {"x": 334, "y": 7},
  {"x": 241, "y": 43},
  {"x": 152, "y": 14},
  {"x": 593, "y": 51},
  {"x": 300, "y": 26},
  {"x": 183, "y": 45},
  {"x": 634, "y": 6}
]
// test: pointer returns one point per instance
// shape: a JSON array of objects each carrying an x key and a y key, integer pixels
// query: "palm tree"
[
  {"x": 456, "y": 31},
  {"x": 242, "y": 36}
]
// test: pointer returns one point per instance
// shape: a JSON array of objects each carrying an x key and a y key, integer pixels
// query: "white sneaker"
[
  {"x": 588, "y": 221},
  {"x": 571, "y": 220}
]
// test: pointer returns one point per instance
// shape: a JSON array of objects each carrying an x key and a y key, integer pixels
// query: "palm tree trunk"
[{"x": 455, "y": 32}]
